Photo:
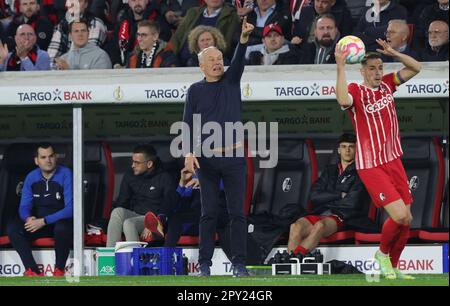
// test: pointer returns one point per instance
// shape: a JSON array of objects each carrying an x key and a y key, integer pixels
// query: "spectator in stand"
[
  {"x": 2, "y": 32},
  {"x": 26, "y": 56},
  {"x": 275, "y": 50},
  {"x": 124, "y": 40},
  {"x": 303, "y": 29},
  {"x": 202, "y": 37},
  {"x": 356, "y": 8},
  {"x": 326, "y": 36},
  {"x": 6, "y": 12},
  {"x": 146, "y": 191},
  {"x": 437, "y": 11},
  {"x": 30, "y": 14},
  {"x": 46, "y": 210},
  {"x": 397, "y": 36},
  {"x": 437, "y": 47},
  {"x": 215, "y": 14},
  {"x": 83, "y": 54},
  {"x": 99, "y": 9},
  {"x": 175, "y": 10},
  {"x": 117, "y": 7},
  {"x": 264, "y": 13},
  {"x": 374, "y": 21},
  {"x": 76, "y": 10},
  {"x": 151, "y": 51},
  {"x": 415, "y": 8}
]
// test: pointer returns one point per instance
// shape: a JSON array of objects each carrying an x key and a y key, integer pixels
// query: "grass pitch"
[{"x": 297, "y": 280}]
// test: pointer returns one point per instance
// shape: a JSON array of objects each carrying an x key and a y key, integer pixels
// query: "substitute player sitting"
[
  {"x": 339, "y": 198},
  {"x": 371, "y": 108}
]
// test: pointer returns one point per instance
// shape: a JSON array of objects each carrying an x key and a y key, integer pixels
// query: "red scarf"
[{"x": 15, "y": 62}]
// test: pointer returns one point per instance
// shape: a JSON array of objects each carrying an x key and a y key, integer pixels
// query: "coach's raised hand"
[{"x": 247, "y": 29}]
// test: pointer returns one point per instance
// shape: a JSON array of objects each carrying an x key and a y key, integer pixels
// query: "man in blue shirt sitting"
[{"x": 46, "y": 210}]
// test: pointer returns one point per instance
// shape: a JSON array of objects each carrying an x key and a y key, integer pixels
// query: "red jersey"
[{"x": 375, "y": 123}]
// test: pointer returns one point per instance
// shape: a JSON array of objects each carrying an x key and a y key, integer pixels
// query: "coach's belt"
[{"x": 232, "y": 147}]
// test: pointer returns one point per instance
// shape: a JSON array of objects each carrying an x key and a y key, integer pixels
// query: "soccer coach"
[{"x": 217, "y": 99}]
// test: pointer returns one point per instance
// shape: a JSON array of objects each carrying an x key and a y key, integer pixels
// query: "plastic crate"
[{"x": 157, "y": 261}]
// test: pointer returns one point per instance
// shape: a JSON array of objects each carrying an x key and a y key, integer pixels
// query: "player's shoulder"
[
  {"x": 353, "y": 85},
  {"x": 34, "y": 175},
  {"x": 389, "y": 78},
  {"x": 353, "y": 88},
  {"x": 63, "y": 173},
  {"x": 64, "y": 170}
]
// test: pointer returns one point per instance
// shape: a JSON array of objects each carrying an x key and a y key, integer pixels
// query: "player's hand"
[
  {"x": 21, "y": 51},
  {"x": 247, "y": 29},
  {"x": 387, "y": 49},
  {"x": 191, "y": 163},
  {"x": 296, "y": 40},
  {"x": 194, "y": 183},
  {"x": 34, "y": 225},
  {"x": 61, "y": 64},
  {"x": 340, "y": 55},
  {"x": 29, "y": 219},
  {"x": 185, "y": 177},
  {"x": 146, "y": 234}
]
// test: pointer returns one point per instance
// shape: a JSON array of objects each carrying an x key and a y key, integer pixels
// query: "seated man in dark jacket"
[
  {"x": 437, "y": 46},
  {"x": 46, "y": 210},
  {"x": 321, "y": 50},
  {"x": 303, "y": 26},
  {"x": 274, "y": 50},
  {"x": 397, "y": 36},
  {"x": 149, "y": 189},
  {"x": 339, "y": 198}
]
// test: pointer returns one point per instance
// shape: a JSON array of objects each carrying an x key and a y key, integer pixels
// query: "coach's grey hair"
[{"x": 203, "y": 52}]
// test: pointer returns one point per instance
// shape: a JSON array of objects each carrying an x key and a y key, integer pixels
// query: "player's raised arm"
[
  {"x": 412, "y": 67},
  {"x": 342, "y": 95}
]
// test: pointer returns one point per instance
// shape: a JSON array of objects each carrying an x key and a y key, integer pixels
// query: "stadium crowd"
[{"x": 169, "y": 33}]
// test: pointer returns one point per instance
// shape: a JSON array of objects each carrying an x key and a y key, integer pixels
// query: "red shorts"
[
  {"x": 313, "y": 219},
  {"x": 387, "y": 183}
]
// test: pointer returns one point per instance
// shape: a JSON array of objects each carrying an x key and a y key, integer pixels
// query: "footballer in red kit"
[{"x": 371, "y": 108}]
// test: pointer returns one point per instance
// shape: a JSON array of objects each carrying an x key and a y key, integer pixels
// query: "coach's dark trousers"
[
  {"x": 61, "y": 231},
  {"x": 232, "y": 170}
]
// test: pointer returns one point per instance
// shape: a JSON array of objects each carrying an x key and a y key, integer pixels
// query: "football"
[{"x": 356, "y": 47}]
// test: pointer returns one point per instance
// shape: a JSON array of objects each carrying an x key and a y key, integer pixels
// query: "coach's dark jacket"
[
  {"x": 154, "y": 191},
  {"x": 353, "y": 208}
]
